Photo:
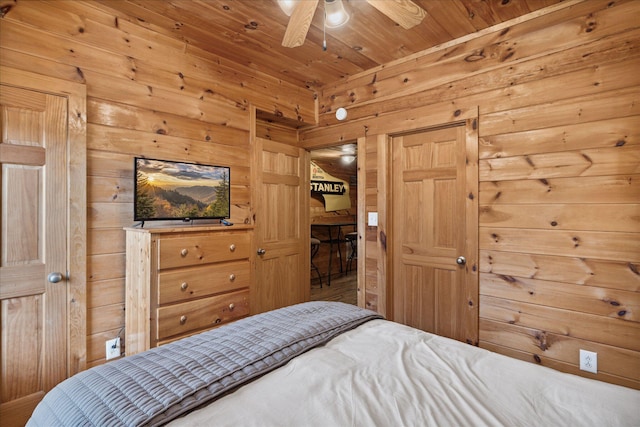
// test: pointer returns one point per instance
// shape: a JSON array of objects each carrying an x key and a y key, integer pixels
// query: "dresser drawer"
[
  {"x": 196, "y": 282},
  {"x": 201, "y": 314},
  {"x": 202, "y": 249}
]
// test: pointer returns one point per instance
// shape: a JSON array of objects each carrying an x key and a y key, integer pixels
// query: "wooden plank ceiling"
[{"x": 250, "y": 32}]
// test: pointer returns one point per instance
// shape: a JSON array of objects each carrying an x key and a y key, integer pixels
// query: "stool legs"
[
  {"x": 353, "y": 242},
  {"x": 314, "y": 250}
]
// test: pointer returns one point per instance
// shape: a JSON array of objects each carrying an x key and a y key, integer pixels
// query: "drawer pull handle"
[
  {"x": 218, "y": 320},
  {"x": 184, "y": 286},
  {"x": 232, "y": 247},
  {"x": 232, "y": 306},
  {"x": 183, "y": 320},
  {"x": 184, "y": 252},
  {"x": 232, "y": 277}
]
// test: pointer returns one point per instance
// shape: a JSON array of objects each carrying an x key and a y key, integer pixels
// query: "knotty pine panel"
[
  {"x": 559, "y": 140},
  {"x": 110, "y": 189},
  {"x": 615, "y": 48},
  {"x": 586, "y": 299},
  {"x": 619, "y": 160},
  {"x": 190, "y": 108},
  {"x": 105, "y": 318},
  {"x": 579, "y": 216},
  {"x": 109, "y": 215},
  {"x": 615, "y": 360},
  {"x": 22, "y": 61},
  {"x": 591, "y": 80},
  {"x": 106, "y": 292},
  {"x": 589, "y": 327},
  {"x": 199, "y": 18},
  {"x": 402, "y": 121},
  {"x": 599, "y": 189},
  {"x": 584, "y": 244},
  {"x": 207, "y": 107},
  {"x": 105, "y": 266},
  {"x": 109, "y": 165},
  {"x": 563, "y": 31},
  {"x": 613, "y": 132},
  {"x": 274, "y": 131},
  {"x": 125, "y": 116},
  {"x": 125, "y": 141},
  {"x": 102, "y": 241},
  {"x": 618, "y": 274},
  {"x": 152, "y": 54},
  {"x": 582, "y": 109},
  {"x": 549, "y": 362}
]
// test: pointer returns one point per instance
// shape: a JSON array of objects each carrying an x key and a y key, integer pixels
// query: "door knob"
[
  {"x": 261, "y": 251},
  {"x": 461, "y": 260},
  {"x": 54, "y": 277}
]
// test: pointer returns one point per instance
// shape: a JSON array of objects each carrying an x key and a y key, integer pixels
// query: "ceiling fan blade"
[
  {"x": 299, "y": 23},
  {"x": 405, "y": 12}
]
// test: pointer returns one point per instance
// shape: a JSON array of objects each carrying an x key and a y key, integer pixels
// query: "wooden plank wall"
[
  {"x": 147, "y": 94},
  {"x": 559, "y": 123}
]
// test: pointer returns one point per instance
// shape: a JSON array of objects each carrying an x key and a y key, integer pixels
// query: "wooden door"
[
  {"x": 433, "y": 226},
  {"x": 32, "y": 245},
  {"x": 282, "y": 226}
]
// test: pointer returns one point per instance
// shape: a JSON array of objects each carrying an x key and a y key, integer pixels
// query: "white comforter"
[{"x": 387, "y": 374}]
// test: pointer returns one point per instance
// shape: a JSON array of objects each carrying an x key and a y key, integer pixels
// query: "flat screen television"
[{"x": 171, "y": 190}]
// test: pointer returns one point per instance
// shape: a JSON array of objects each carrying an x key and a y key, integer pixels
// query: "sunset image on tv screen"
[{"x": 177, "y": 190}]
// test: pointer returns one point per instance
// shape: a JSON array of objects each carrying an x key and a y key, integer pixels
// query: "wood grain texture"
[
  {"x": 282, "y": 210},
  {"x": 166, "y": 295},
  {"x": 600, "y": 329},
  {"x": 581, "y": 271},
  {"x": 615, "y": 361},
  {"x": 556, "y": 82},
  {"x": 41, "y": 234},
  {"x": 405, "y": 12},
  {"x": 299, "y": 23},
  {"x": 558, "y": 196}
]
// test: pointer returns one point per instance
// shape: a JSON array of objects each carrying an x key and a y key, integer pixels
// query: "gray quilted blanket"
[{"x": 159, "y": 385}]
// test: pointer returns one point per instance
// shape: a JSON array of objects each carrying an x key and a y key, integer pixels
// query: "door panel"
[
  {"x": 282, "y": 226},
  {"x": 430, "y": 230},
  {"x": 32, "y": 244}
]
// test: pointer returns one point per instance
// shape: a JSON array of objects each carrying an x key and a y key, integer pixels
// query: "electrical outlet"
[
  {"x": 113, "y": 348},
  {"x": 589, "y": 361}
]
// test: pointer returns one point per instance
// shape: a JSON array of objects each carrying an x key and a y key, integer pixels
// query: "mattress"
[{"x": 387, "y": 374}]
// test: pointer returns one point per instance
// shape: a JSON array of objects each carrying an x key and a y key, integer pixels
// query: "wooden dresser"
[{"x": 184, "y": 280}]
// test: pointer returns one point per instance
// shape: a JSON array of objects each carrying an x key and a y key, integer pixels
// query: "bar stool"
[
  {"x": 315, "y": 247},
  {"x": 352, "y": 238}
]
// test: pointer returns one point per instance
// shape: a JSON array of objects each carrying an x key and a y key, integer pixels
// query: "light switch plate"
[{"x": 373, "y": 219}]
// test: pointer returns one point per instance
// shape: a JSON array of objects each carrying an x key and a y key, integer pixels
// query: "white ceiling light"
[
  {"x": 341, "y": 113},
  {"x": 335, "y": 13},
  {"x": 287, "y": 6},
  {"x": 348, "y": 153},
  {"x": 348, "y": 158}
]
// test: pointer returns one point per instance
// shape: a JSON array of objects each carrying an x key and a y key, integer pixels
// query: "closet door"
[
  {"x": 434, "y": 239},
  {"x": 33, "y": 248}
]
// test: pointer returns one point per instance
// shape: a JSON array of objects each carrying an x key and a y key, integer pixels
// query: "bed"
[{"x": 330, "y": 364}]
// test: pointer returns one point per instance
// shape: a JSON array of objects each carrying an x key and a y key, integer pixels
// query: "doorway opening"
[{"x": 333, "y": 211}]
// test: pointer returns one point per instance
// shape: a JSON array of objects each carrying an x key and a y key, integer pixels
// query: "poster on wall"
[{"x": 334, "y": 190}]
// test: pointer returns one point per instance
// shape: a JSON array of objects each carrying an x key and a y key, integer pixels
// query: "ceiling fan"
[{"x": 405, "y": 13}]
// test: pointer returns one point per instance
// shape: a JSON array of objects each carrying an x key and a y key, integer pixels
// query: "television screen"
[{"x": 169, "y": 190}]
